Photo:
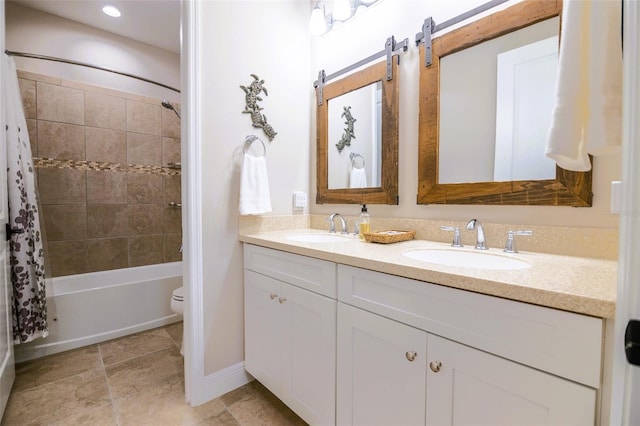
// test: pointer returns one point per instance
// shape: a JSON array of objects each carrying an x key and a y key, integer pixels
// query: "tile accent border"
[{"x": 52, "y": 163}]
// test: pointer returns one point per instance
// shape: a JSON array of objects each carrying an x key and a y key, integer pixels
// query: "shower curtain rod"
[{"x": 83, "y": 64}]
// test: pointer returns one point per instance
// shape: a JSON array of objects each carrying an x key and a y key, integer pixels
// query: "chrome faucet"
[
  {"x": 481, "y": 242},
  {"x": 332, "y": 225}
]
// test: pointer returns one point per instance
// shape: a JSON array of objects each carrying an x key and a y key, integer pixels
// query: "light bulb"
[
  {"x": 111, "y": 11},
  {"x": 317, "y": 23},
  {"x": 341, "y": 10}
]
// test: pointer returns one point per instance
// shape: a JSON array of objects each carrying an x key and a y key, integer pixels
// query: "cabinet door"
[
  {"x": 262, "y": 324},
  {"x": 381, "y": 370},
  {"x": 475, "y": 388},
  {"x": 309, "y": 354}
]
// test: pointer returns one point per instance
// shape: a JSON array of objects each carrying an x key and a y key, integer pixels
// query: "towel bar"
[{"x": 249, "y": 140}]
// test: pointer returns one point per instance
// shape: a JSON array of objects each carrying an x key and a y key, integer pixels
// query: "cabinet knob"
[
  {"x": 272, "y": 296},
  {"x": 435, "y": 366},
  {"x": 411, "y": 355},
  {"x": 282, "y": 300}
]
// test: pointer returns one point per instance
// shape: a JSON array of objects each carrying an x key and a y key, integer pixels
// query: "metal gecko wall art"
[
  {"x": 348, "y": 134},
  {"x": 252, "y": 97}
]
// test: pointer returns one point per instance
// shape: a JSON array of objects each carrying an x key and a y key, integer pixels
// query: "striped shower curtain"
[{"x": 29, "y": 305}]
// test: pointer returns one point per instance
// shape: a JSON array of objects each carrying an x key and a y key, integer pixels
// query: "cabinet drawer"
[
  {"x": 562, "y": 343},
  {"x": 312, "y": 274}
]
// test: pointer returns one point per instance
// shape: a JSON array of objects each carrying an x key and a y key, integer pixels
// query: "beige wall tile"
[
  {"x": 60, "y": 140},
  {"x": 170, "y": 151},
  {"x": 144, "y": 118},
  {"x": 28, "y": 93},
  {"x": 145, "y": 219},
  {"x": 105, "y": 187},
  {"x": 172, "y": 244},
  {"x": 146, "y": 250},
  {"x": 107, "y": 253},
  {"x": 171, "y": 122},
  {"x": 63, "y": 104},
  {"x": 106, "y": 145},
  {"x": 171, "y": 189},
  {"x": 144, "y": 149},
  {"x": 104, "y": 111},
  {"x": 107, "y": 220},
  {"x": 33, "y": 135},
  {"x": 65, "y": 222},
  {"x": 68, "y": 257},
  {"x": 144, "y": 188},
  {"x": 27, "y": 75},
  {"x": 171, "y": 220},
  {"x": 62, "y": 186}
]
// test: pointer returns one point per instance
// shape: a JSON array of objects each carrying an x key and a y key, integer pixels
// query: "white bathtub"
[{"x": 89, "y": 308}]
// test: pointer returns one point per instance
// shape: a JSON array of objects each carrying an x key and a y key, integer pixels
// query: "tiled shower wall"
[{"x": 101, "y": 158}]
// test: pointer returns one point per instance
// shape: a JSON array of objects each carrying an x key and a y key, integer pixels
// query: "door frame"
[{"x": 626, "y": 377}]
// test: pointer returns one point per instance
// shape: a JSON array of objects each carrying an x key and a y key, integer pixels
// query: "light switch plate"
[
  {"x": 616, "y": 197},
  {"x": 299, "y": 200}
]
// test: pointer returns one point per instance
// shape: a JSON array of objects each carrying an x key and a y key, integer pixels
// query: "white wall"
[
  {"x": 403, "y": 18},
  {"x": 32, "y": 31},
  {"x": 239, "y": 38}
]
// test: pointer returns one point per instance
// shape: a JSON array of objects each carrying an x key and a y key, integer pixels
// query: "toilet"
[
  {"x": 177, "y": 306},
  {"x": 177, "y": 300}
]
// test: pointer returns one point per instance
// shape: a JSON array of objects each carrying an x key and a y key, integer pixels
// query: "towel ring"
[
  {"x": 354, "y": 156},
  {"x": 249, "y": 140}
]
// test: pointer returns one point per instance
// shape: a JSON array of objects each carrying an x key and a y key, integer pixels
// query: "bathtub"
[{"x": 90, "y": 308}]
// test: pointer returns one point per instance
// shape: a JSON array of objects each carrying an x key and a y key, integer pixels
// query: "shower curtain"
[{"x": 26, "y": 246}]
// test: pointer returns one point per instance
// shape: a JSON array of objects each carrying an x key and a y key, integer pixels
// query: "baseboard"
[{"x": 224, "y": 381}]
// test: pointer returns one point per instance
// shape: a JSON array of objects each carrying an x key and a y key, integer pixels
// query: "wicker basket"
[{"x": 391, "y": 236}]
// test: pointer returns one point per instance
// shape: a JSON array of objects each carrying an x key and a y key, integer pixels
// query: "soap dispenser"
[{"x": 363, "y": 222}]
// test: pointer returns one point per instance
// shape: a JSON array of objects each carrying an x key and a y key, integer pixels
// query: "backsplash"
[
  {"x": 597, "y": 243},
  {"x": 101, "y": 158}
]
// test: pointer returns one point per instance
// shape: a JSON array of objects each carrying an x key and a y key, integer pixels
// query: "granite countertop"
[{"x": 575, "y": 284}]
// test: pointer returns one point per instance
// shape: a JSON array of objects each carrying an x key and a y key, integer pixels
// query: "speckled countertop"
[{"x": 575, "y": 284}]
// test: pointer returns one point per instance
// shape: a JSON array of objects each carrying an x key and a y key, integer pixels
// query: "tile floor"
[{"x": 134, "y": 380}]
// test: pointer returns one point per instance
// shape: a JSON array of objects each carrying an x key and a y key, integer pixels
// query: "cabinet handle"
[
  {"x": 282, "y": 300},
  {"x": 411, "y": 355},
  {"x": 273, "y": 296},
  {"x": 435, "y": 366}
]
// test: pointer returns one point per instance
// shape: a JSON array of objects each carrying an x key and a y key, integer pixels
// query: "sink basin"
[
  {"x": 467, "y": 259},
  {"x": 318, "y": 238}
]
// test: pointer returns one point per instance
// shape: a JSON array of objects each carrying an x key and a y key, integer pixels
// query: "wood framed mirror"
[
  {"x": 566, "y": 188},
  {"x": 376, "y": 125}
]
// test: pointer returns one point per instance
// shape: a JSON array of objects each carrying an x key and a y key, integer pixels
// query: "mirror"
[
  {"x": 357, "y": 138},
  {"x": 355, "y": 128},
  {"x": 497, "y": 156}
]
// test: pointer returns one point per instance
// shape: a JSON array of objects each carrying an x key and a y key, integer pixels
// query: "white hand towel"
[
  {"x": 254, "y": 186},
  {"x": 587, "y": 115},
  {"x": 358, "y": 178}
]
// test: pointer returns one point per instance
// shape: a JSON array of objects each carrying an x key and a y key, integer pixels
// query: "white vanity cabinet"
[
  {"x": 394, "y": 366},
  {"x": 290, "y": 329},
  {"x": 349, "y": 346}
]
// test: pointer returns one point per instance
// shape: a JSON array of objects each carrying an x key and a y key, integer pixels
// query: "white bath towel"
[
  {"x": 587, "y": 116},
  {"x": 358, "y": 178},
  {"x": 254, "y": 186}
]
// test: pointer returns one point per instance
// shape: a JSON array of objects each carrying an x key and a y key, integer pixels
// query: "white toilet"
[
  {"x": 177, "y": 300},
  {"x": 177, "y": 306}
]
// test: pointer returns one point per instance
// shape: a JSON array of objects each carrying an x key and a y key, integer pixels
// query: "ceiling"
[{"x": 154, "y": 22}]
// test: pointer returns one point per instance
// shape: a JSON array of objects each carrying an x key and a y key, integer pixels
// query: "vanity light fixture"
[
  {"x": 322, "y": 22},
  {"x": 112, "y": 11}
]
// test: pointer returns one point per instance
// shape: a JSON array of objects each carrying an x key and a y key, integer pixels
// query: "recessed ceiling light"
[{"x": 111, "y": 11}]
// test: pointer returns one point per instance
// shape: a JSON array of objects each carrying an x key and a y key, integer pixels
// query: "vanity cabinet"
[
  {"x": 349, "y": 346},
  {"x": 395, "y": 365},
  {"x": 290, "y": 331}
]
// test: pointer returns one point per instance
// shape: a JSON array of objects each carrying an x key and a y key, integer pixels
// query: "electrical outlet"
[
  {"x": 299, "y": 200},
  {"x": 616, "y": 197}
]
